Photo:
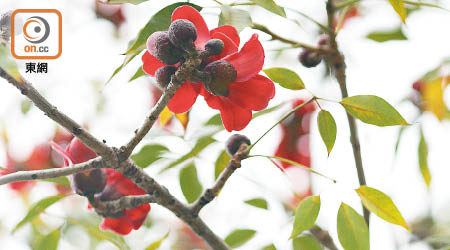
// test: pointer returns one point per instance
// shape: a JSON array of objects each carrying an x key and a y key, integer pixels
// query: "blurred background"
[{"x": 96, "y": 36}]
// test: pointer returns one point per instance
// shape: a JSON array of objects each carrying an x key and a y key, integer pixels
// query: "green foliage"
[
  {"x": 327, "y": 129},
  {"x": 201, "y": 144},
  {"x": 25, "y": 106},
  {"x": 49, "y": 241},
  {"x": 352, "y": 229},
  {"x": 7, "y": 63},
  {"x": 149, "y": 154},
  {"x": 189, "y": 183},
  {"x": 306, "y": 215},
  {"x": 399, "y": 7},
  {"x": 221, "y": 163},
  {"x": 37, "y": 208},
  {"x": 422, "y": 152},
  {"x": 269, "y": 247},
  {"x": 306, "y": 242},
  {"x": 285, "y": 77},
  {"x": 155, "y": 245},
  {"x": 139, "y": 72},
  {"x": 257, "y": 202},
  {"x": 238, "y": 18},
  {"x": 239, "y": 237},
  {"x": 380, "y": 204},
  {"x": 271, "y": 6},
  {"x": 387, "y": 35},
  {"x": 63, "y": 181},
  {"x": 372, "y": 110}
]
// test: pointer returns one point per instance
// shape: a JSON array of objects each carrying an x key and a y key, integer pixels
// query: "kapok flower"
[
  {"x": 106, "y": 185},
  {"x": 248, "y": 91}
]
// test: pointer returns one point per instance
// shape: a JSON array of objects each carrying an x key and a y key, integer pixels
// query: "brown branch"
[
  {"x": 323, "y": 237},
  {"x": 52, "y": 173},
  {"x": 336, "y": 61},
  {"x": 212, "y": 192},
  {"x": 116, "y": 207}
]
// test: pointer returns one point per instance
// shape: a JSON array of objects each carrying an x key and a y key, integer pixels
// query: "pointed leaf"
[
  {"x": 269, "y": 247},
  {"x": 285, "y": 77},
  {"x": 352, "y": 229},
  {"x": 63, "y": 181},
  {"x": 215, "y": 120},
  {"x": 306, "y": 242},
  {"x": 49, "y": 241},
  {"x": 271, "y": 6},
  {"x": 306, "y": 215},
  {"x": 7, "y": 63},
  {"x": 372, "y": 110},
  {"x": 257, "y": 202},
  {"x": 238, "y": 18},
  {"x": 221, "y": 163},
  {"x": 382, "y": 205},
  {"x": 239, "y": 237},
  {"x": 423, "y": 159},
  {"x": 190, "y": 185},
  {"x": 155, "y": 245},
  {"x": 149, "y": 154},
  {"x": 139, "y": 73},
  {"x": 399, "y": 7},
  {"x": 37, "y": 208},
  {"x": 387, "y": 35},
  {"x": 327, "y": 129}
]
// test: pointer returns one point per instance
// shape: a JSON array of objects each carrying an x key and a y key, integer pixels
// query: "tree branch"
[
  {"x": 212, "y": 192},
  {"x": 116, "y": 207},
  {"x": 52, "y": 173},
  {"x": 323, "y": 237},
  {"x": 337, "y": 62}
]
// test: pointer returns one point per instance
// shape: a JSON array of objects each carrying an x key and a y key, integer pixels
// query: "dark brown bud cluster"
[
  {"x": 90, "y": 182},
  {"x": 234, "y": 143},
  {"x": 175, "y": 46},
  {"x": 310, "y": 58}
]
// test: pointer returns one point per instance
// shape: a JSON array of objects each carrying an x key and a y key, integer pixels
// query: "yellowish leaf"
[
  {"x": 399, "y": 7},
  {"x": 433, "y": 96}
]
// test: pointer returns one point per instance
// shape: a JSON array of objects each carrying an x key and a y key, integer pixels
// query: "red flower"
[
  {"x": 110, "y": 12},
  {"x": 249, "y": 91},
  {"x": 117, "y": 186}
]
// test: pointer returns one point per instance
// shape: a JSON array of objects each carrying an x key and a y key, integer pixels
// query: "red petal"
[
  {"x": 151, "y": 64},
  {"x": 119, "y": 225},
  {"x": 191, "y": 14},
  {"x": 229, "y": 31},
  {"x": 137, "y": 215},
  {"x": 253, "y": 94},
  {"x": 229, "y": 46},
  {"x": 184, "y": 97},
  {"x": 249, "y": 61}
]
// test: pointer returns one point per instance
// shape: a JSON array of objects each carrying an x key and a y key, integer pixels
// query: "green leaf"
[
  {"x": 239, "y": 237},
  {"x": 306, "y": 215},
  {"x": 267, "y": 111},
  {"x": 49, "y": 241},
  {"x": 139, "y": 73},
  {"x": 372, "y": 110},
  {"x": 399, "y": 7},
  {"x": 190, "y": 185},
  {"x": 221, "y": 163},
  {"x": 215, "y": 120},
  {"x": 126, "y": 60},
  {"x": 327, "y": 129},
  {"x": 380, "y": 204},
  {"x": 399, "y": 137},
  {"x": 425, "y": 5},
  {"x": 271, "y": 6},
  {"x": 306, "y": 242},
  {"x": 149, "y": 154},
  {"x": 7, "y": 63},
  {"x": 25, "y": 106},
  {"x": 285, "y": 77},
  {"x": 352, "y": 229},
  {"x": 155, "y": 245},
  {"x": 423, "y": 159},
  {"x": 387, "y": 35},
  {"x": 257, "y": 202},
  {"x": 238, "y": 18},
  {"x": 201, "y": 144},
  {"x": 95, "y": 231},
  {"x": 63, "y": 181},
  {"x": 37, "y": 208},
  {"x": 135, "y": 2},
  {"x": 158, "y": 22},
  {"x": 269, "y": 247}
]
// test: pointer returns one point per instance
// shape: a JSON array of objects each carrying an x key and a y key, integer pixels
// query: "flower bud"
[
  {"x": 323, "y": 40},
  {"x": 160, "y": 46},
  {"x": 417, "y": 85},
  {"x": 222, "y": 73},
  {"x": 309, "y": 58},
  {"x": 182, "y": 33},
  {"x": 234, "y": 143},
  {"x": 164, "y": 74},
  {"x": 214, "y": 46},
  {"x": 89, "y": 182}
]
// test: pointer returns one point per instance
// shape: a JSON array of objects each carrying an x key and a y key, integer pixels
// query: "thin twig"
[
  {"x": 212, "y": 192},
  {"x": 337, "y": 62},
  {"x": 51, "y": 173},
  {"x": 116, "y": 207},
  {"x": 323, "y": 237}
]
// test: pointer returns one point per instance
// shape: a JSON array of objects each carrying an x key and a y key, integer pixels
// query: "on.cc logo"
[{"x": 36, "y": 29}]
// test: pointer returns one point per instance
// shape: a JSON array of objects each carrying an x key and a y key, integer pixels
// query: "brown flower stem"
[
  {"x": 212, "y": 192},
  {"x": 336, "y": 61},
  {"x": 51, "y": 173}
]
